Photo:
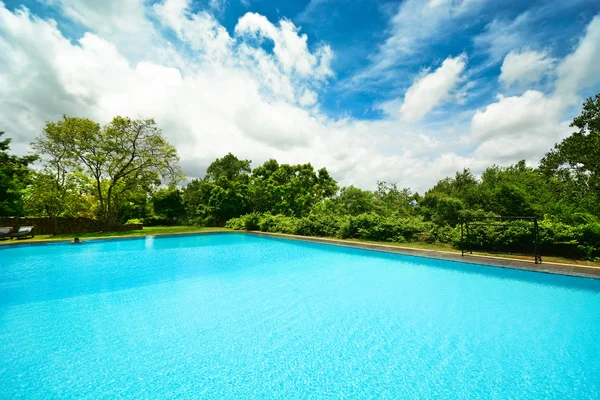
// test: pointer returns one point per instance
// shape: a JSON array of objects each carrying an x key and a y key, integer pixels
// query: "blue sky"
[{"x": 402, "y": 91}]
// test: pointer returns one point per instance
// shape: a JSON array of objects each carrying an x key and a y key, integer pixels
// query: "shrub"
[
  {"x": 235, "y": 223},
  {"x": 251, "y": 221},
  {"x": 318, "y": 225},
  {"x": 555, "y": 238},
  {"x": 279, "y": 223},
  {"x": 371, "y": 226}
]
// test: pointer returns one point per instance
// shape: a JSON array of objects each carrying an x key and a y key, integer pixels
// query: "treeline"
[
  {"x": 563, "y": 191},
  {"x": 127, "y": 172}
]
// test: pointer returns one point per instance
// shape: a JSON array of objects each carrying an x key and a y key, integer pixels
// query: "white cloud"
[
  {"x": 431, "y": 89},
  {"x": 516, "y": 114},
  {"x": 123, "y": 22},
  {"x": 415, "y": 24},
  {"x": 525, "y": 68},
  {"x": 225, "y": 93},
  {"x": 290, "y": 48},
  {"x": 579, "y": 69},
  {"x": 501, "y": 36},
  {"x": 201, "y": 31},
  {"x": 518, "y": 127},
  {"x": 309, "y": 98},
  {"x": 527, "y": 126}
]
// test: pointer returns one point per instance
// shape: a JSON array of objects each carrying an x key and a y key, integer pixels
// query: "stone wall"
[{"x": 45, "y": 226}]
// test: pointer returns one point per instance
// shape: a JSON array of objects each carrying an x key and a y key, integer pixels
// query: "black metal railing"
[{"x": 482, "y": 220}]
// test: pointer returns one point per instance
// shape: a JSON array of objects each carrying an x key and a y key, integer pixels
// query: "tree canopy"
[
  {"x": 112, "y": 161},
  {"x": 15, "y": 175},
  {"x": 577, "y": 158}
]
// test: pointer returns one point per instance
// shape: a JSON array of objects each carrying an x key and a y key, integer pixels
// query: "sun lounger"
[
  {"x": 5, "y": 232},
  {"x": 23, "y": 231}
]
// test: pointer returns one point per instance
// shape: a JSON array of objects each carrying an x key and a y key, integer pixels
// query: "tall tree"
[
  {"x": 354, "y": 201},
  {"x": 15, "y": 175},
  {"x": 122, "y": 156},
  {"x": 579, "y": 154},
  {"x": 222, "y": 194},
  {"x": 168, "y": 203},
  {"x": 57, "y": 195},
  {"x": 390, "y": 200},
  {"x": 290, "y": 189}
]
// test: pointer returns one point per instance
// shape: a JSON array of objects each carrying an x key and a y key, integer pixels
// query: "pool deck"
[
  {"x": 550, "y": 268},
  {"x": 586, "y": 271}
]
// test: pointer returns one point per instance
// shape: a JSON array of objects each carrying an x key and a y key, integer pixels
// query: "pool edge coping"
[{"x": 582, "y": 271}]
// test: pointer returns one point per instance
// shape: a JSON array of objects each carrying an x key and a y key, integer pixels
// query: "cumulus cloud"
[
  {"x": 214, "y": 92},
  {"x": 290, "y": 48},
  {"x": 515, "y": 115},
  {"x": 518, "y": 127},
  {"x": 123, "y": 23},
  {"x": 526, "y": 126},
  {"x": 580, "y": 68},
  {"x": 525, "y": 68},
  {"x": 233, "y": 98},
  {"x": 431, "y": 89}
]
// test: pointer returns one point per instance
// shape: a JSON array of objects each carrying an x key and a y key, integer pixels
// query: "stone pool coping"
[{"x": 585, "y": 271}]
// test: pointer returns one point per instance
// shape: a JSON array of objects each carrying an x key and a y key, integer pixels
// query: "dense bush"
[{"x": 555, "y": 238}]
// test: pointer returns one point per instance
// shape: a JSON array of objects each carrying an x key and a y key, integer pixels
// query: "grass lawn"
[{"x": 150, "y": 230}]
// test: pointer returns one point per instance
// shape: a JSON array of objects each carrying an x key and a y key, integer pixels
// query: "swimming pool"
[{"x": 241, "y": 316}]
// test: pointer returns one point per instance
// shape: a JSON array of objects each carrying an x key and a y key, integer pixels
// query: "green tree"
[
  {"x": 578, "y": 156},
  {"x": 121, "y": 157},
  {"x": 15, "y": 175},
  {"x": 290, "y": 189},
  {"x": 355, "y": 201},
  {"x": 441, "y": 208},
  {"x": 55, "y": 195},
  {"x": 389, "y": 200},
  {"x": 222, "y": 194},
  {"x": 516, "y": 190},
  {"x": 168, "y": 203},
  {"x": 464, "y": 186}
]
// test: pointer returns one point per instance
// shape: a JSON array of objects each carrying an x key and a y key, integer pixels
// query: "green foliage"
[
  {"x": 354, "y": 201},
  {"x": 55, "y": 193},
  {"x": 441, "y": 208},
  {"x": 579, "y": 154},
  {"x": 15, "y": 175},
  {"x": 278, "y": 223},
  {"x": 122, "y": 157},
  {"x": 389, "y": 200},
  {"x": 221, "y": 195},
  {"x": 289, "y": 189},
  {"x": 168, "y": 203}
]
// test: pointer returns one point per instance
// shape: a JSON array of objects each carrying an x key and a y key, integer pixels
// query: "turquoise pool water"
[{"x": 243, "y": 317}]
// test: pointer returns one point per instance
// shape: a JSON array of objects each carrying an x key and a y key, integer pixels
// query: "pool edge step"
[{"x": 583, "y": 271}]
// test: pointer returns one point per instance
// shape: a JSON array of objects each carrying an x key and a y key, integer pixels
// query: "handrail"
[{"x": 474, "y": 218}]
